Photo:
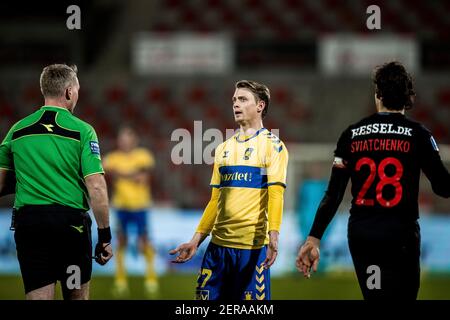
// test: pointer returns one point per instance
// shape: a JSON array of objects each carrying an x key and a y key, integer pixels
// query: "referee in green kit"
[{"x": 56, "y": 160}]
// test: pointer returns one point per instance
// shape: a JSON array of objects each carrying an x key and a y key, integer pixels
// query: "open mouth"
[{"x": 237, "y": 113}]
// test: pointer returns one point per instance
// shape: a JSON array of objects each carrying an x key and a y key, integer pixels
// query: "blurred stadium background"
[{"x": 161, "y": 65}]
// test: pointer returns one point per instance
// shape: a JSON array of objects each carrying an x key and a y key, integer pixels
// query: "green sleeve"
[
  {"x": 91, "y": 162},
  {"x": 6, "y": 157}
]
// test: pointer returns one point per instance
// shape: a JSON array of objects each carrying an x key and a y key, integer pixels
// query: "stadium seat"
[
  {"x": 443, "y": 97},
  {"x": 310, "y": 21},
  {"x": 157, "y": 94},
  {"x": 196, "y": 94},
  {"x": 115, "y": 94},
  {"x": 32, "y": 95},
  {"x": 6, "y": 110}
]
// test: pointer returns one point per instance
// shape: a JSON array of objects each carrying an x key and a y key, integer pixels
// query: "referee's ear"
[{"x": 67, "y": 93}]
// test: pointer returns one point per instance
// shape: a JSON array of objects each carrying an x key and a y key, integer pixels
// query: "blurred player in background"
[
  {"x": 56, "y": 159},
  {"x": 310, "y": 192},
  {"x": 382, "y": 155},
  {"x": 129, "y": 167},
  {"x": 245, "y": 210}
]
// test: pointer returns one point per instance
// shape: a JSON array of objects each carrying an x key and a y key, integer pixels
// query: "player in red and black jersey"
[{"x": 383, "y": 155}]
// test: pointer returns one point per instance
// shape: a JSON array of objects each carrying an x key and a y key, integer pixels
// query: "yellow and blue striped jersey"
[
  {"x": 129, "y": 194},
  {"x": 243, "y": 170}
]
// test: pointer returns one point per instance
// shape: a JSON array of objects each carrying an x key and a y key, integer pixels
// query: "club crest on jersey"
[
  {"x": 248, "y": 153},
  {"x": 225, "y": 154},
  {"x": 248, "y": 295},
  {"x": 202, "y": 295}
]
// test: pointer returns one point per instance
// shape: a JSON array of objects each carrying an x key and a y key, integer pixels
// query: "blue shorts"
[
  {"x": 128, "y": 217},
  {"x": 233, "y": 274}
]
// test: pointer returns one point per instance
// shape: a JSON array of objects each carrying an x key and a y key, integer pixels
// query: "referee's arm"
[{"x": 98, "y": 196}]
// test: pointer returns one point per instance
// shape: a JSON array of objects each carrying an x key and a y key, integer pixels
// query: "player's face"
[
  {"x": 127, "y": 140},
  {"x": 245, "y": 106}
]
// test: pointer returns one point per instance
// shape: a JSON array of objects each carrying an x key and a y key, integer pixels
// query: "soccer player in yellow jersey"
[
  {"x": 129, "y": 168},
  {"x": 245, "y": 210}
]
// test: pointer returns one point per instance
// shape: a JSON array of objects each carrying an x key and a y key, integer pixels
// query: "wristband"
[{"x": 104, "y": 235}]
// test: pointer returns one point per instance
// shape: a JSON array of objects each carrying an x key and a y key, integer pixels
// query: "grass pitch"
[{"x": 340, "y": 286}]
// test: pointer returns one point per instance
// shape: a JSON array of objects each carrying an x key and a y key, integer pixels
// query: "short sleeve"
[
  {"x": 90, "y": 153},
  {"x": 146, "y": 160},
  {"x": 277, "y": 167},
  {"x": 216, "y": 179},
  {"x": 343, "y": 145},
  {"x": 108, "y": 162},
  {"x": 427, "y": 144},
  {"x": 428, "y": 150},
  {"x": 431, "y": 163},
  {"x": 6, "y": 157}
]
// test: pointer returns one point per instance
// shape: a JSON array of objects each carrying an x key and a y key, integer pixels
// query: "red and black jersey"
[{"x": 382, "y": 155}]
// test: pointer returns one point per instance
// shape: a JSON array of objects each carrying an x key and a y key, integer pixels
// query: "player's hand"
[
  {"x": 272, "y": 250},
  {"x": 308, "y": 257},
  {"x": 185, "y": 252},
  {"x": 103, "y": 253}
]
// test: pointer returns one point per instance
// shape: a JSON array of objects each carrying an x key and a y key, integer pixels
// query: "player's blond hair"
[
  {"x": 259, "y": 90},
  {"x": 55, "y": 79}
]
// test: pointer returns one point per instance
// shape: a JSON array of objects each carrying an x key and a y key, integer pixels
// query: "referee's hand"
[
  {"x": 185, "y": 252},
  {"x": 103, "y": 253},
  {"x": 308, "y": 256}
]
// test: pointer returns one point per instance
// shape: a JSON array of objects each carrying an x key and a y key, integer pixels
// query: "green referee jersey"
[{"x": 51, "y": 152}]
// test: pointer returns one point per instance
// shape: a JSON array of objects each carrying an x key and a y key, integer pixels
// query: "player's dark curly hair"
[{"x": 394, "y": 86}]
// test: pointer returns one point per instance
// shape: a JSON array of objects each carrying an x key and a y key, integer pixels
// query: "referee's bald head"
[{"x": 56, "y": 78}]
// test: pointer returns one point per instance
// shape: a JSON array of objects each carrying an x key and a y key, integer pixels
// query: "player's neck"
[
  {"x": 384, "y": 109},
  {"x": 56, "y": 103},
  {"x": 249, "y": 128},
  {"x": 127, "y": 150}
]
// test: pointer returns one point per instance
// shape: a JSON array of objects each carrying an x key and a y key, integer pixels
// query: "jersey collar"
[
  {"x": 389, "y": 113},
  {"x": 251, "y": 137},
  {"x": 54, "y": 108}
]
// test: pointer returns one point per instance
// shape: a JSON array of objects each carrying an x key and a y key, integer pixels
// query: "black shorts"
[
  {"x": 397, "y": 255},
  {"x": 51, "y": 242}
]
